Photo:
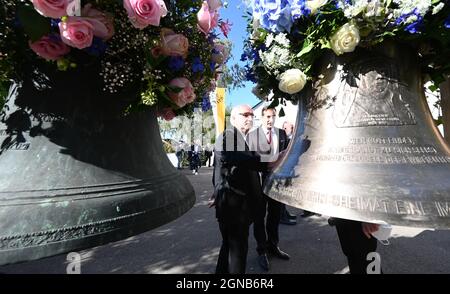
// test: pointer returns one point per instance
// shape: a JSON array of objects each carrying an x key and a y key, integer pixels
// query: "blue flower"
[
  {"x": 97, "y": 48},
  {"x": 404, "y": 17},
  {"x": 197, "y": 65},
  {"x": 447, "y": 23},
  {"x": 176, "y": 63},
  {"x": 414, "y": 28},
  {"x": 212, "y": 65},
  {"x": 299, "y": 9},
  {"x": 274, "y": 15},
  {"x": 254, "y": 54},
  {"x": 206, "y": 104},
  {"x": 54, "y": 22},
  {"x": 249, "y": 74}
]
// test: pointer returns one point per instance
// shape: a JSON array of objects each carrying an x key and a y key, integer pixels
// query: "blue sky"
[{"x": 234, "y": 13}]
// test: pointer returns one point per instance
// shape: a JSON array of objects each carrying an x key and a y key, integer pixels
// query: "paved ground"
[{"x": 191, "y": 244}]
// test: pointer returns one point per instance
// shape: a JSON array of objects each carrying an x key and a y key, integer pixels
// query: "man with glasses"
[{"x": 237, "y": 190}]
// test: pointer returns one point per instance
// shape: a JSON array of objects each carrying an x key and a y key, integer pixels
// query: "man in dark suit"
[
  {"x": 237, "y": 190},
  {"x": 268, "y": 142},
  {"x": 356, "y": 242}
]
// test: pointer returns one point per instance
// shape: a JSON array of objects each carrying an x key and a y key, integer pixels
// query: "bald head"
[{"x": 242, "y": 118}]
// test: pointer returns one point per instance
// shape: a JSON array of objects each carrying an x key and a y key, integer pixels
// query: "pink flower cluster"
[
  {"x": 143, "y": 13},
  {"x": 208, "y": 15},
  {"x": 78, "y": 30}
]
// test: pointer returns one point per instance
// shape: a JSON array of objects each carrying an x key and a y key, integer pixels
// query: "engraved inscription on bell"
[
  {"x": 365, "y": 146},
  {"x": 371, "y": 95}
]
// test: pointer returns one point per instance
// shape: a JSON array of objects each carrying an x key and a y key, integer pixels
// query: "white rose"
[
  {"x": 314, "y": 5},
  {"x": 292, "y": 81},
  {"x": 345, "y": 39}
]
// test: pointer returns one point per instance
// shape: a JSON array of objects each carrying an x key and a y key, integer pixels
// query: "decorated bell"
[
  {"x": 75, "y": 172},
  {"x": 365, "y": 146}
]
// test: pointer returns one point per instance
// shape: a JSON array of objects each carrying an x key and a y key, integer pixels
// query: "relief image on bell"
[{"x": 373, "y": 96}]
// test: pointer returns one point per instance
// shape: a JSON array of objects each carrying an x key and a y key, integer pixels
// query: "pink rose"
[
  {"x": 173, "y": 44},
  {"x": 49, "y": 48},
  {"x": 186, "y": 95},
  {"x": 105, "y": 18},
  {"x": 207, "y": 19},
  {"x": 145, "y": 12},
  {"x": 166, "y": 113},
  {"x": 51, "y": 8},
  {"x": 79, "y": 32}
]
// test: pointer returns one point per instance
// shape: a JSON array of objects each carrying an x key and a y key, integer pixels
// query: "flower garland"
[
  {"x": 170, "y": 46},
  {"x": 288, "y": 36}
]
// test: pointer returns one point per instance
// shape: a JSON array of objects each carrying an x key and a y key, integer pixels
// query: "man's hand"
[
  {"x": 369, "y": 228},
  {"x": 212, "y": 201}
]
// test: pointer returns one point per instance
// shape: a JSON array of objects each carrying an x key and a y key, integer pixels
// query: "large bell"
[
  {"x": 75, "y": 173},
  {"x": 365, "y": 145}
]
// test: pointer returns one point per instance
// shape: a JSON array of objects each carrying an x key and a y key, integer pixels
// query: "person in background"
[
  {"x": 208, "y": 155},
  {"x": 194, "y": 157},
  {"x": 180, "y": 153},
  {"x": 356, "y": 242}
]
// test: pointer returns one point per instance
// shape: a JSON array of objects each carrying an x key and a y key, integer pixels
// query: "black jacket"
[{"x": 237, "y": 187}]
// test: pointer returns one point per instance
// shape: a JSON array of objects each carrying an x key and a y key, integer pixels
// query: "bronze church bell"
[
  {"x": 76, "y": 173},
  {"x": 365, "y": 145}
]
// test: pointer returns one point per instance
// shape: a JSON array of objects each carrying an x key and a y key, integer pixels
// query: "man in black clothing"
[
  {"x": 237, "y": 190},
  {"x": 356, "y": 242},
  {"x": 268, "y": 142}
]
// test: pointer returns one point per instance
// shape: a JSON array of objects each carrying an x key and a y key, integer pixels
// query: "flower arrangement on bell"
[
  {"x": 288, "y": 36},
  {"x": 165, "y": 50}
]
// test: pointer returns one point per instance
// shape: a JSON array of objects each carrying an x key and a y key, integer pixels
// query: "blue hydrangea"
[
  {"x": 176, "y": 63},
  {"x": 197, "y": 65},
  {"x": 299, "y": 9},
  {"x": 273, "y": 15}
]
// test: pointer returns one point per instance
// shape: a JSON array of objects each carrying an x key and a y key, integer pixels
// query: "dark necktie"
[{"x": 269, "y": 137}]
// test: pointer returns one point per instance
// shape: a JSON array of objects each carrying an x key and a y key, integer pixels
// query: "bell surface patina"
[
  {"x": 365, "y": 145},
  {"x": 76, "y": 173}
]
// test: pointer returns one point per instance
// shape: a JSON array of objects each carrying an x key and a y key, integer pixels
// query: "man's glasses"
[{"x": 247, "y": 114}]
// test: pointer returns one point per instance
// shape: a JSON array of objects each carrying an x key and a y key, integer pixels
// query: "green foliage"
[
  {"x": 311, "y": 34},
  {"x": 125, "y": 61},
  {"x": 34, "y": 24}
]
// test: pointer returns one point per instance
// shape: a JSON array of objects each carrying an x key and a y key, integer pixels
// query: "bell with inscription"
[
  {"x": 75, "y": 172},
  {"x": 365, "y": 146}
]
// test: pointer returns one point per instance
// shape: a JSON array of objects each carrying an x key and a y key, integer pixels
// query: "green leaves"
[
  {"x": 307, "y": 47},
  {"x": 34, "y": 24}
]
